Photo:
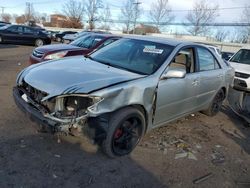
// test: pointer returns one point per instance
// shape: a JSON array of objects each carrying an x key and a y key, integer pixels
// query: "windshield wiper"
[{"x": 115, "y": 66}]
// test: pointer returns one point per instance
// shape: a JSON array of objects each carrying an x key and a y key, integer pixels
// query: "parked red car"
[{"x": 81, "y": 46}]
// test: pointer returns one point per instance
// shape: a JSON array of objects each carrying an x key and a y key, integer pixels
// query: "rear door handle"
[{"x": 220, "y": 75}]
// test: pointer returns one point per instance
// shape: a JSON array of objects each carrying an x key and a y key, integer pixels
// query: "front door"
[
  {"x": 14, "y": 34},
  {"x": 177, "y": 96}
]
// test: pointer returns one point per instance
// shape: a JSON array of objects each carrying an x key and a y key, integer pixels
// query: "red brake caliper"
[{"x": 118, "y": 133}]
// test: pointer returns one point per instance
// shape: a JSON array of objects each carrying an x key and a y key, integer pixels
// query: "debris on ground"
[
  {"x": 242, "y": 183},
  {"x": 191, "y": 156},
  {"x": 217, "y": 158},
  {"x": 202, "y": 178},
  {"x": 181, "y": 155},
  {"x": 57, "y": 156}
]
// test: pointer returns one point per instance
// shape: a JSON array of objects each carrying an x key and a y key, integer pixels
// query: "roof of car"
[
  {"x": 172, "y": 42},
  {"x": 104, "y": 35}
]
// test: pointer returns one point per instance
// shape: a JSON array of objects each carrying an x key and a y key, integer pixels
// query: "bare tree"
[
  {"x": 202, "y": 14},
  {"x": 245, "y": 32},
  {"x": 92, "y": 7},
  {"x": 106, "y": 18},
  {"x": 6, "y": 17},
  {"x": 238, "y": 36},
  {"x": 161, "y": 12},
  {"x": 74, "y": 10},
  {"x": 127, "y": 14},
  {"x": 221, "y": 35}
]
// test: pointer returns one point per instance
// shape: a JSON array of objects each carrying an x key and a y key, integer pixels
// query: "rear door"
[
  {"x": 29, "y": 35},
  {"x": 178, "y": 96},
  {"x": 211, "y": 75}
]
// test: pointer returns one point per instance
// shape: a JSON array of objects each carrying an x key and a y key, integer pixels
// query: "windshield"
[
  {"x": 242, "y": 56},
  {"x": 81, "y": 42},
  {"x": 143, "y": 57},
  {"x": 87, "y": 41}
]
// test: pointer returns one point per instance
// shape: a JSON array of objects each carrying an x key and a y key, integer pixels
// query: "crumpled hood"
[
  {"x": 73, "y": 75},
  {"x": 239, "y": 67}
]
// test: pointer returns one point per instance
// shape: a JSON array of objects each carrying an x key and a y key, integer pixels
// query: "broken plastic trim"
[{"x": 73, "y": 118}]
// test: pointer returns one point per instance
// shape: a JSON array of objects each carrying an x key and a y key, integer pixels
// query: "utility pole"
[
  {"x": 136, "y": 13},
  {"x": 2, "y": 9},
  {"x": 28, "y": 8},
  {"x": 2, "y": 12}
]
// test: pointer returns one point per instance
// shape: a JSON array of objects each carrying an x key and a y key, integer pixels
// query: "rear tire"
[
  {"x": 125, "y": 130},
  {"x": 39, "y": 42},
  {"x": 1, "y": 39},
  {"x": 216, "y": 104}
]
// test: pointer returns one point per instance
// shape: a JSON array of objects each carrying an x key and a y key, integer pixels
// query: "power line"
[{"x": 242, "y": 24}]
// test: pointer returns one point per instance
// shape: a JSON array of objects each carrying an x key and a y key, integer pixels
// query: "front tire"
[
  {"x": 216, "y": 104},
  {"x": 126, "y": 128},
  {"x": 39, "y": 42},
  {"x": 58, "y": 39}
]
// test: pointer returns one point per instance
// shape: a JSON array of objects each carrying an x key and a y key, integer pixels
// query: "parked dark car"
[
  {"x": 81, "y": 46},
  {"x": 226, "y": 55},
  {"x": 59, "y": 36},
  {"x": 20, "y": 34}
]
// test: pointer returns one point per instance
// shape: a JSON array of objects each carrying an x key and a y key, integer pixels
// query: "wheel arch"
[{"x": 224, "y": 89}]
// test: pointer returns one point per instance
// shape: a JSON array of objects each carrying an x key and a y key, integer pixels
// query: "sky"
[
  {"x": 179, "y": 8},
  {"x": 49, "y": 7}
]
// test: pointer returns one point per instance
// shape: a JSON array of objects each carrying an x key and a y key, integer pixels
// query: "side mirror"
[{"x": 174, "y": 73}]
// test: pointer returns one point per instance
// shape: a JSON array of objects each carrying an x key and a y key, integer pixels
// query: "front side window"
[
  {"x": 12, "y": 28},
  {"x": 184, "y": 59},
  {"x": 19, "y": 29},
  {"x": 242, "y": 56},
  {"x": 206, "y": 60},
  {"x": 139, "y": 56}
]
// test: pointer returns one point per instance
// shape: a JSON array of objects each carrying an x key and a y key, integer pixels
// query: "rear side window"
[
  {"x": 28, "y": 30},
  {"x": 206, "y": 60}
]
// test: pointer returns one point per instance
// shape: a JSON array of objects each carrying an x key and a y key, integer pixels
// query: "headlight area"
[
  {"x": 56, "y": 55},
  {"x": 70, "y": 109}
]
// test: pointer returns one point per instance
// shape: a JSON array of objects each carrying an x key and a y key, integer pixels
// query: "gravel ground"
[{"x": 172, "y": 156}]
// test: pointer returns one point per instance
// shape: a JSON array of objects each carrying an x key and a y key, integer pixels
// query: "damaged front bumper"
[
  {"x": 91, "y": 127},
  {"x": 33, "y": 113}
]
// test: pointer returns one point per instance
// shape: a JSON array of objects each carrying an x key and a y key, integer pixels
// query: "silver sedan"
[{"x": 120, "y": 92}]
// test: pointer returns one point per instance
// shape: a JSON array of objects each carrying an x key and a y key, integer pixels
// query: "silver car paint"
[{"x": 164, "y": 100}]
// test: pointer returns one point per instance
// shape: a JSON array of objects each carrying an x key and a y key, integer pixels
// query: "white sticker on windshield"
[{"x": 153, "y": 50}]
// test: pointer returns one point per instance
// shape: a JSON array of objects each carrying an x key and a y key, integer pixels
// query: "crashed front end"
[{"x": 59, "y": 114}]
